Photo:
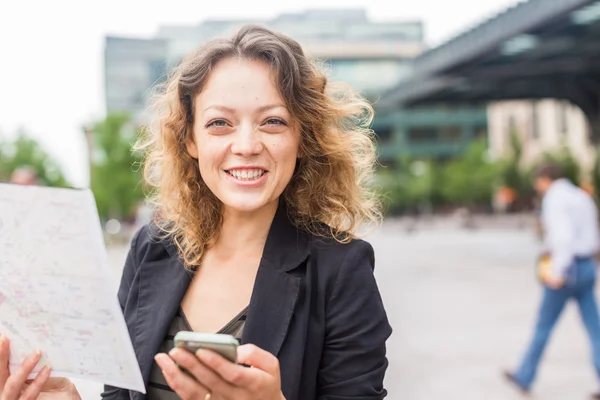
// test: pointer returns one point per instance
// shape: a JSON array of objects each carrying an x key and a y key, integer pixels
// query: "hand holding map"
[{"x": 55, "y": 287}]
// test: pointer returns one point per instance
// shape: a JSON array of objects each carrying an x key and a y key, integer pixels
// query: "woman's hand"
[
  {"x": 18, "y": 387},
  {"x": 220, "y": 379}
]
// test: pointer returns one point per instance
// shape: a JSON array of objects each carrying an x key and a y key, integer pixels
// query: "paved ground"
[{"x": 462, "y": 304}]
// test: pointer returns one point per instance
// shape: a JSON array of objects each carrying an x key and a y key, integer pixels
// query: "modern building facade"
[
  {"x": 370, "y": 56},
  {"x": 132, "y": 67},
  {"x": 543, "y": 126},
  {"x": 422, "y": 133}
]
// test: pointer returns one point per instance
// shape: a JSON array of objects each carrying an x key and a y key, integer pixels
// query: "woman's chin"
[{"x": 246, "y": 205}]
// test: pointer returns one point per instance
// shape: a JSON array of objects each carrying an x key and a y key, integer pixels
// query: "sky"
[{"x": 51, "y": 53}]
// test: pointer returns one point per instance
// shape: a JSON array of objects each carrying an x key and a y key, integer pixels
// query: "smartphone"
[{"x": 225, "y": 345}]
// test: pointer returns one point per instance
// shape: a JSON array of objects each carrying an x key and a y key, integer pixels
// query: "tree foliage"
[
  {"x": 512, "y": 173},
  {"x": 25, "y": 152},
  {"x": 115, "y": 171},
  {"x": 422, "y": 184},
  {"x": 469, "y": 180}
]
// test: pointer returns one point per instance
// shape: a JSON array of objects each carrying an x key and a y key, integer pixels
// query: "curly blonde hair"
[{"x": 330, "y": 186}]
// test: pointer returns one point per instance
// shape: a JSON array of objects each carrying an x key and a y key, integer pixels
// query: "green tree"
[
  {"x": 510, "y": 170},
  {"x": 26, "y": 152},
  {"x": 410, "y": 183},
  {"x": 115, "y": 173},
  {"x": 469, "y": 179}
]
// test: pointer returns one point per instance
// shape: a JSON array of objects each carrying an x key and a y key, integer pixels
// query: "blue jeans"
[{"x": 580, "y": 286}]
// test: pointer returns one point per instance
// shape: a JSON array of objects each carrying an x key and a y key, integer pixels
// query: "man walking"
[{"x": 570, "y": 226}]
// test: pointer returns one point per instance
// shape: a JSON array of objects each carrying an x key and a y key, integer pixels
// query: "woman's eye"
[
  {"x": 275, "y": 121},
  {"x": 217, "y": 123}
]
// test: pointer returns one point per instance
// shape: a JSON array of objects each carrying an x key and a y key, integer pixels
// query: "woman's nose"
[{"x": 247, "y": 141}]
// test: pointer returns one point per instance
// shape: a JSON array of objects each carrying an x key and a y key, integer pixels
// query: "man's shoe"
[{"x": 510, "y": 377}]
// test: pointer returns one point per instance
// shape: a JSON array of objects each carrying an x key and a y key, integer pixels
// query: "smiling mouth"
[{"x": 246, "y": 174}]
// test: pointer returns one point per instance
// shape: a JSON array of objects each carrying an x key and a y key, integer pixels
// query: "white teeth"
[{"x": 247, "y": 175}]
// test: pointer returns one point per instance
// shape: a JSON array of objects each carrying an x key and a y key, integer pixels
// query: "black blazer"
[{"x": 315, "y": 305}]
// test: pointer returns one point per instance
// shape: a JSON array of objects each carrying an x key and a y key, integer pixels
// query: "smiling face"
[{"x": 245, "y": 139}]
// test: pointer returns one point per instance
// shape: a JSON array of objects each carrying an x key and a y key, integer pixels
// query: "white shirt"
[{"x": 570, "y": 221}]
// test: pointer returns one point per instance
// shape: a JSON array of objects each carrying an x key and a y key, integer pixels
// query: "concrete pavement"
[{"x": 463, "y": 305}]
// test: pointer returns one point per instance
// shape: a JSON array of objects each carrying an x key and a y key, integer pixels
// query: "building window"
[
  {"x": 535, "y": 126},
  {"x": 384, "y": 134},
  {"x": 562, "y": 118},
  {"x": 370, "y": 76},
  {"x": 423, "y": 134},
  {"x": 426, "y": 134},
  {"x": 450, "y": 133}
]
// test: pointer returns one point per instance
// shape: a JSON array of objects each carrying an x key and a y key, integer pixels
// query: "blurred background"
[{"x": 470, "y": 96}]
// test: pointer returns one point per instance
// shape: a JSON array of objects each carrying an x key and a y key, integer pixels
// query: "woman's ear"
[{"x": 191, "y": 147}]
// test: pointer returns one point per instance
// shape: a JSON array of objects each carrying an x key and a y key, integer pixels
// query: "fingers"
[
  {"x": 261, "y": 381},
  {"x": 184, "y": 385},
  {"x": 4, "y": 359},
  {"x": 226, "y": 370},
  {"x": 15, "y": 382},
  {"x": 205, "y": 375},
  {"x": 35, "y": 387},
  {"x": 256, "y": 357}
]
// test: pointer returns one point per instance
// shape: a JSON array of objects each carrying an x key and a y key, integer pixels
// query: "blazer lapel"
[
  {"x": 271, "y": 308},
  {"x": 162, "y": 287},
  {"x": 276, "y": 291}
]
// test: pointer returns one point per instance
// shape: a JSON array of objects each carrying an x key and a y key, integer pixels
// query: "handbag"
[{"x": 544, "y": 268}]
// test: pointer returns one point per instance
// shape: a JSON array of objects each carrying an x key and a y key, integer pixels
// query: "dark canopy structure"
[{"x": 536, "y": 49}]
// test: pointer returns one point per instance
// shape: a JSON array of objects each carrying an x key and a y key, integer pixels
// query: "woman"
[{"x": 260, "y": 169}]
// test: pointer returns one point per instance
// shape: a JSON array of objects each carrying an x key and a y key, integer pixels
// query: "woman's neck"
[{"x": 243, "y": 234}]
